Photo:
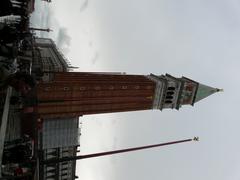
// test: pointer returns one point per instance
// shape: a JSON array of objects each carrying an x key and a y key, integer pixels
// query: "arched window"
[
  {"x": 111, "y": 87},
  {"x": 137, "y": 87},
  {"x": 66, "y": 88},
  {"x": 170, "y": 93},
  {"x": 168, "y": 102},
  {"x": 171, "y": 88},
  {"x": 169, "y": 97}
]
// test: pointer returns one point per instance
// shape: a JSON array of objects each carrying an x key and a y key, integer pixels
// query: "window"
[
  {"x": 170, "y": 93},
  {"x": 171, "y": 88},
  {"x": 169, "y": 97},
  {"x": 66, "y": 88},
  {"x": 111, "y": 87},
  {"x": 168, "y": 102}
]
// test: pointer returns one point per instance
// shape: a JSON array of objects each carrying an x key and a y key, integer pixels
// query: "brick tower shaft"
[{"x": 76, "y": 94}]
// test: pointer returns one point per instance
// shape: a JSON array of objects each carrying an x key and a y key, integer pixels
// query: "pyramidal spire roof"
[{"x": 204, "y": 91}]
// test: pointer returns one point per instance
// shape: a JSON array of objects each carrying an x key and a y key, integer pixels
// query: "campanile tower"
[{"x": 65, "y": 94}]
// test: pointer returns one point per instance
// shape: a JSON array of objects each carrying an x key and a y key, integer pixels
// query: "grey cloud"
[
  {"x": 90, "y": 44},
  {"x": 95, "y": 58},
  {"x": 63, "y": 40},
  {"x": 115, "y": 142},
  {"x": 42, "y": 18},
  {"x": 84, "y": 5}
]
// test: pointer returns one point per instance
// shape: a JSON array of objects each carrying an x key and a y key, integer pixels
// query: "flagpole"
[{"x": 64, "y": 159}]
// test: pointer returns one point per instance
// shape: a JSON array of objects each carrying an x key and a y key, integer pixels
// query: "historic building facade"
[
  {"x": 47, "y": 57},
  {"x": 57, "y": 137},
  {"x": 60, "y": 171}
]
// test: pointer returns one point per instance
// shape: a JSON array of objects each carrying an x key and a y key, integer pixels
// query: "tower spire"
[{"x": 204, "y": 91}]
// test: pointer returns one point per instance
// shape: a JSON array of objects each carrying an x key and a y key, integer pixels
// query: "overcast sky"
[{"x": 195, "y": 38}]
